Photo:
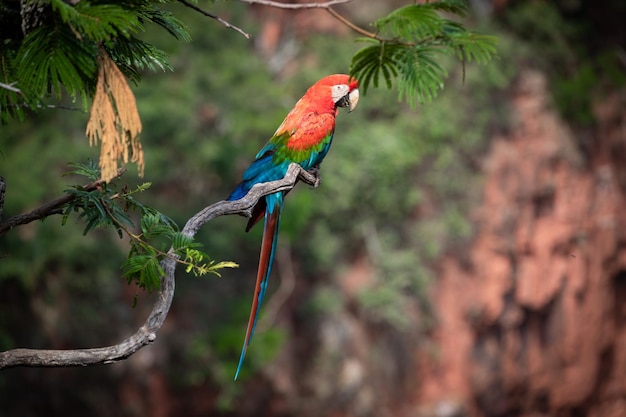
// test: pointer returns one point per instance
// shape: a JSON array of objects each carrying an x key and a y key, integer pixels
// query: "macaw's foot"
[{"x": 311, "y": 176}]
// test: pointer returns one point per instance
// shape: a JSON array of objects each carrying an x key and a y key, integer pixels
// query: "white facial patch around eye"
[{"x": 339, "y": 91}]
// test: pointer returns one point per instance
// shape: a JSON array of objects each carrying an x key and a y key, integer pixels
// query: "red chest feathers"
[{"x": 312, "y": 130}]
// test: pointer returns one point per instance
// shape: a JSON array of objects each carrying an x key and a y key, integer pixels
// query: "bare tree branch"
[
  {"x": 146, "y": 334},
  {"x": 351, "y": 25},
  {"x": 320, "y": 5},
  {"x": 48, "y": 209},
  {"x": 327, "y": 5},
  {"x": 212, "y": 16},
  {"x": 10, "y": 87},
  {"x": 292, "y": 6}
]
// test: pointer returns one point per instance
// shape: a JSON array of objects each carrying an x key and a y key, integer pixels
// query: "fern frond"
[
  {"x": 419, "y": 32},
  {"x": 457, "y": 7},
  {"x": 50, "y": 60},
  {"x": 470, "y": 46},
  {"x": 89, "y": 170},
  {"x": 167, "y": 21},
  {"x": 12, "y": 106},
  {"x": 181, "y": 241},
  {"x": 420, "y": 75},
  {"x": 133, "y": 55},
  {"x": 371, "y": 62},
  {"x": 13, "y": 99},
  {"x": 152, "y": 227},
  {"x": 413, "y": 22},
  {"x": 143, "y": 269},
  {"x": 99, "y": 22}
]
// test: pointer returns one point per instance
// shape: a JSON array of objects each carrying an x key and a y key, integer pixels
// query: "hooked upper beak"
[
  {"x": 350, "y": 100},
  {"x": 353, "y": 99}
]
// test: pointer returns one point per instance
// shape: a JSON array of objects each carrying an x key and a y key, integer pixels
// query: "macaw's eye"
[{"x": 339, "y": 91}]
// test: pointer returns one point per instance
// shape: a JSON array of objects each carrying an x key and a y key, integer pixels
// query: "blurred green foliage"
[{"x": 397, "y": 188}]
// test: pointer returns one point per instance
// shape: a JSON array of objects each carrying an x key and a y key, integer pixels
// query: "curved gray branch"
[
  {"x": 146, "y": 334},
  {"x": 48, "y": 209}
]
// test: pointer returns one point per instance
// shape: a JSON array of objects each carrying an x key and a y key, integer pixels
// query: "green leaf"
[
  {"x": 419, "y": 33},
  {"x": 90, "y": 170},
  {"x": 371, "y": 62},
  {"x": 144, "y": 269},
  {"x": 119, "y": 214},
  {"x": 412, "y": 22},
  {"x": 181, "y": 241},
  {"x": 143, "y": 187},
  {"x": 98, "y": 22},
  {"x": 457, "y": 7},
  {"x": 168, "y": 22},
  {"x": 50, "y": 61},
  {"x": 153, "y": 227},
  {"x": 421, "y": 76},
  {"x": 223, "y": 264},
  {"x": 470, "y": 46},
  {"x": 133, "y": 55}
]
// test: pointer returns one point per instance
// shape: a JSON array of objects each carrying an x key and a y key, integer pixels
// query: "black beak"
[
  {"x": 350, "y": 100},
  {"x": 343, "y": 101}
]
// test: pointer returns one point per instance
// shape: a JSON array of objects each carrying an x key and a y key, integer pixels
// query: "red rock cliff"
[{"x": 534, "y": 322}]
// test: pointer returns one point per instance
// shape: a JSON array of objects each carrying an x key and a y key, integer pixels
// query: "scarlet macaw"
[{"x": 304, "y": 137}]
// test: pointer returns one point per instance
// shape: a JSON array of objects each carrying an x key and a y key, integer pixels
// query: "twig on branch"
[
  {"x": 327, "y": 5},
  {"x": 146, "y": 334},
  {"x": 60, "y": 107},
  {"x": 277, "y": 4},
  {"x": 350, "y": 24},
  {"x": 10, "y": 87},
  {"x": 3, "y": 187},
  {"x": 212, "y": 16},
  {"x": 48, "y": 209}
]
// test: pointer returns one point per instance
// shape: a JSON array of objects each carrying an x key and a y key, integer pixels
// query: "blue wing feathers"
[
  {"x": 260, "y": 171},
  {"x": 264, "y": 169}
]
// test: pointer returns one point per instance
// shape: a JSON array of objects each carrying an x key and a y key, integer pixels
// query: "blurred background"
[{"x": 463, "y": 258}]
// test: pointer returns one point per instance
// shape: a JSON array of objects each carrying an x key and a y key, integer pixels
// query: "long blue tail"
[{"x": 266, "y": 259}]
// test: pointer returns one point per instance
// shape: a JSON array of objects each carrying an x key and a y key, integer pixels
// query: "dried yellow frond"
[{"x": 114, "y": 120}]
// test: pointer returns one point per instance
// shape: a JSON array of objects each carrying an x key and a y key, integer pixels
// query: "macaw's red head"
[{"x": 333, "y": 91}]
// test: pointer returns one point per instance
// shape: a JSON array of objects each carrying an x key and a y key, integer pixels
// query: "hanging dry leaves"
[{"x": 114, "y": 120}]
